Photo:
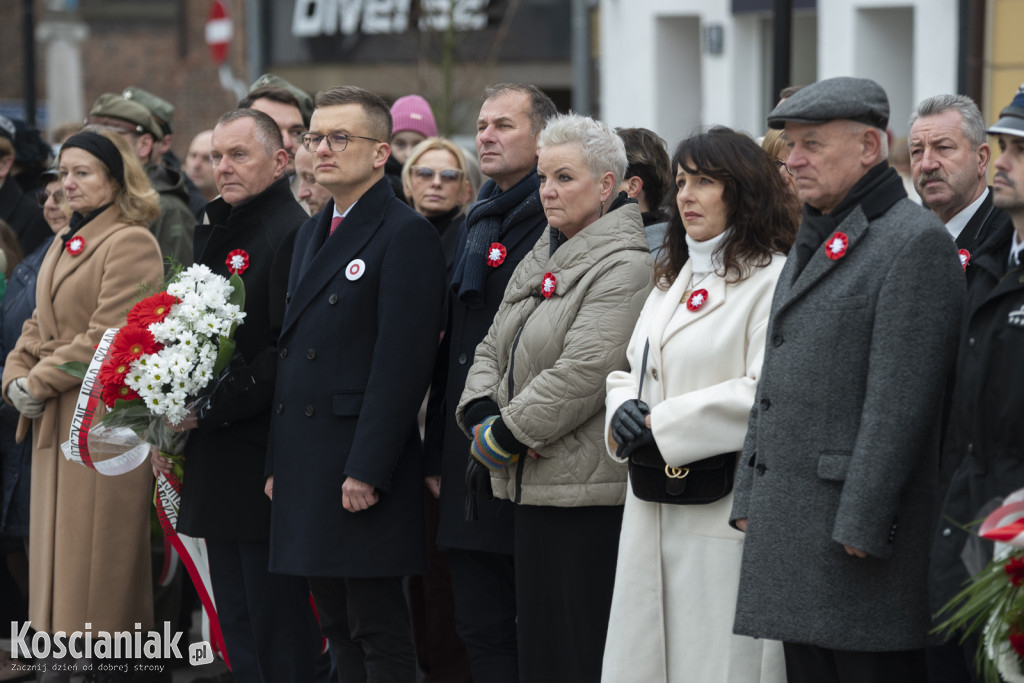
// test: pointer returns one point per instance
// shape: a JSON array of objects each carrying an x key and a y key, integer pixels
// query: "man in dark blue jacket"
[{"x": 361, "y": 328}]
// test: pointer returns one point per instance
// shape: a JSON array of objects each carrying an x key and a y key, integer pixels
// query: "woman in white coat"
[{"x": 678, "y": 565}]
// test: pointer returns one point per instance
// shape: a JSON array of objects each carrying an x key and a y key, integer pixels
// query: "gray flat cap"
[
  {"x": 1011, "y": 118},
  {"x": 856, "y": 99}
]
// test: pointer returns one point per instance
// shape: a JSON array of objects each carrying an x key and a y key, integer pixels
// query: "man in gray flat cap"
[{"x": 835, "y": 486}]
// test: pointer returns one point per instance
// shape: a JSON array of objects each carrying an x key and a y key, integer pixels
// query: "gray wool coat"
[{"x": 842, "y": 445}]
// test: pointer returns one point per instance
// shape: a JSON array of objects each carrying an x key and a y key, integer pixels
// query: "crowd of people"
[{"x": 564, "y": 407}]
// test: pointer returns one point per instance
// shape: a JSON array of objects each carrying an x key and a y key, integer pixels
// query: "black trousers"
[
  {"x": 565, "y": 572},
  {"x": 813, "y": 664},
  {"x": 366, "y": 621},
  {"x": 484, "y": 588},
  {"x": 952, "y": 662},
  {"x": 268, "y": 624}
]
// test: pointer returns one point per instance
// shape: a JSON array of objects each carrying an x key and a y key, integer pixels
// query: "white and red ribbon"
[{"x": 1006, "y": 524}]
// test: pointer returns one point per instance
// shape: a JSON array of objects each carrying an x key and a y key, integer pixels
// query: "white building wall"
[{"x": 656, "y": 74}]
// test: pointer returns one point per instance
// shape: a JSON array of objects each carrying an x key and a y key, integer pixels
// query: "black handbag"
[{"x": 698, "y": 483}]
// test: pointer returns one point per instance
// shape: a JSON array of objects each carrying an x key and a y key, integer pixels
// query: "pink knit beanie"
[{"x": 412, "y": 112}]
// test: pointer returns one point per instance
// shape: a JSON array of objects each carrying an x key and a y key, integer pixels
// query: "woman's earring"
[{"x": 602, "y": 209}]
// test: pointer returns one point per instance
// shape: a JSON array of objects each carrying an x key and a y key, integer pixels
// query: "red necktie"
[{"x": 335, "y": 222}]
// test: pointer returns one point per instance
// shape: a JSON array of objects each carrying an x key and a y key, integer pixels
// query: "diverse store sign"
[{"x": 373, "y": 17}]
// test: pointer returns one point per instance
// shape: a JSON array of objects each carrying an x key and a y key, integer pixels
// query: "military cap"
[
  {"x": 305, "y": 101},
  {"x": 1011, "y": 118},
  {"x": 111, "y": 109},
  {"x": 7, "y": 128},
  {"x": 161, "y": 109},
  {"x": 856, "y": 99}
]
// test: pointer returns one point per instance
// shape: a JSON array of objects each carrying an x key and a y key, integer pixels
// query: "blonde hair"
[
  {"x": 773, "y": 143},
  {"x": 137, "y": 201},
  {"x": 432, "y": 144}
]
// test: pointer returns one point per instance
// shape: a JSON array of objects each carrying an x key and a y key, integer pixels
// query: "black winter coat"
[
  {"x": 21, "y": 212},
  {"x": 983, "y": 454},
  {"x": 222, "y": 494},
  {"x": 356, "y": 352},
  {"x": 447, "y": 446}
]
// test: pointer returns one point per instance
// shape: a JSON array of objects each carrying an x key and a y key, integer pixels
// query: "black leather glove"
[{"x": 628, "y": 421}]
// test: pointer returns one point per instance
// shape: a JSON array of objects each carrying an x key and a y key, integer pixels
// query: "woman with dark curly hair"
[{"x": 698, "y": 346}]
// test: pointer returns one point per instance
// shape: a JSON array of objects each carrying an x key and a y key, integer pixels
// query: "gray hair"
[
  {"x": 267, "y": 133},
  {"x": 972, "y": 123},
  {"x": 603, "y": 149}
]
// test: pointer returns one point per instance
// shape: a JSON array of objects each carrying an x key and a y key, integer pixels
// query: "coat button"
[
  {"x": 287, "y": 298},
  {"x": 765, "y": 404},
  {"x": 760, "y": 468},
  {"x": 309, "y": 411},
  {"x": 947, "y": 531},
  {"x": 971, "y": 342},
  {"x": 970, "y": 448},
  {"x": 311, "y": 354},
  {"x": 279, "y": 408},
  {"x": 654, "y": 373},
  {"x": 777, "y": 340},
  {"x": 284, "y": 352},
  {"x": 332, "y": 299},
  {"x": 462, "y": 359}
]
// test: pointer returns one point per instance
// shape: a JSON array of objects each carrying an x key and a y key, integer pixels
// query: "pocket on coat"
[
  {"x": 833, "y": 466},
  {"x": 845, "y": 302},
  {"x": 347, "y": 403}
]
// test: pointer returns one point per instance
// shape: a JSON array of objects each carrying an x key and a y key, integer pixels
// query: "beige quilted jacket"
[{"x": 561, "y": 350}]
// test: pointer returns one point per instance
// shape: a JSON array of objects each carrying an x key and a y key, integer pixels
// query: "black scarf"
[
  {"x": 78, "y": 220},
  {"x": 488, "y": 220},
  {"x": 876, "y": 191}
]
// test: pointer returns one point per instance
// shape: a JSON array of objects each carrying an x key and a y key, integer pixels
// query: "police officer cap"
[
  {"x": 110, "y": 109},
  {"x": 1011, "y": 119},
  {"x": 161, "y": 109},
  {"x": 856, "y": 99},
  {"x": 305, "y": 101}
]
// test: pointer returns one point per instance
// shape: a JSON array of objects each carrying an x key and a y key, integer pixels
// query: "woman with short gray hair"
[{"x": 533, "y": 401}]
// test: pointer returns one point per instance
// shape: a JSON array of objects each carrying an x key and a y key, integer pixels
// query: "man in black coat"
[
  {"x": 500, "y": 229},
  {"x": 985, "y": 437},
  {"x": 949, "y": 163},
  {"x": 17, "y": 209},
  {"x": 269, "y": 627},
  {"x": 364, "y": 315}
]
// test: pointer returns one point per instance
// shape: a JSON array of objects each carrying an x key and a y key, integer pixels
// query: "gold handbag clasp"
[{"x": 676, "y": 472}]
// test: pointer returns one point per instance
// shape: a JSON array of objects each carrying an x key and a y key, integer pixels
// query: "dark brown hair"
[
  {"x": 9, "y": 244},
  {"x": 541, "y": 106},
  {"x": 760, "y": 221},
  {"x": 647, "y": 158}
]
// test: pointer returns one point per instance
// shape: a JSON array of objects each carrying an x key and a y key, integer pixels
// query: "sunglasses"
[
  {"x": 448, "y": 175},
  {"x": 43, "y": 195}
]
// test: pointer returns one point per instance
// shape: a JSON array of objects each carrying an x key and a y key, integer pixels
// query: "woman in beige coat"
[
  {"x": 88, "y": 533},
  {"x": 678, "y": 565},
  {"x": 534, "y": 395}
]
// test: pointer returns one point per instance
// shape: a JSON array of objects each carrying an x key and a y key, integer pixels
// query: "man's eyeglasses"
[
  {"x": 782, "y": 164},
  {"x": 448, "y": 175},
  {"x": 336, "y": 142},
  {"x": 43, "y": 195}
]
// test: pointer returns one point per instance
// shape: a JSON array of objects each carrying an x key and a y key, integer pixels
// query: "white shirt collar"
[
  {"x": 958, "y": 222},
  {"x": 1016, "y": 247},
  {"x": 342, "y": 215}
]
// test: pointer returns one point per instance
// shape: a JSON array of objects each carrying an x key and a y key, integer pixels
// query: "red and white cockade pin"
[
  {"x": 835, "y": 247},
  {"x": 237, "y": 261},
  {"x": 696, "y": 300},
  {"x": 547, "y": 285},
  {"x": 355, "y": 269},
  {"x": 75, "y": 245},
  {"x": 496, "y": 254},
  {"x": 965, "y": 258}
]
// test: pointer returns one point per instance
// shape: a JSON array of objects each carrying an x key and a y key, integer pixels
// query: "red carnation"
[
  {"x": 1015, "y": 570},
  {"x": 115, "y": 392},
  {"x": 237, "y": 261},
  {"x": 152, "y": 309},
  {"x": 133, "y": 342}
]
